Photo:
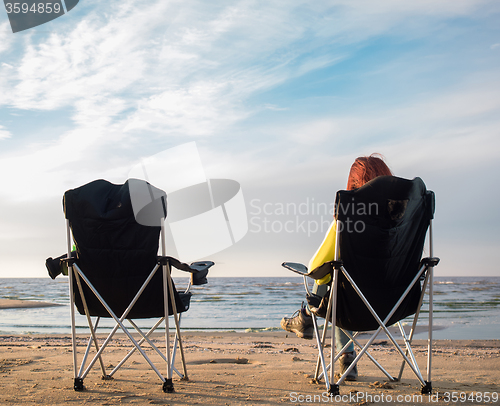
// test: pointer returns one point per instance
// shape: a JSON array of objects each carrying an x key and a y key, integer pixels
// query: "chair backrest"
[
  {"x": 114, "y": 251},
  {"x": 382, "y": 229}
]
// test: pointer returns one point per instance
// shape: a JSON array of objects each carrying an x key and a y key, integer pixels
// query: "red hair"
[{"x": 366, "y": 168}]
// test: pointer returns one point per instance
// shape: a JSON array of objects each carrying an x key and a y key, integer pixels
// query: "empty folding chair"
[
  {"x": 377, "y": 273},
  {"x": 115, "y": 271}
]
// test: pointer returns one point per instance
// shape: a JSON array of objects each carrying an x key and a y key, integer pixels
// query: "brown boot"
[
  {"x": 300, "y": 323},
  {"x": 345, "y": 361}
]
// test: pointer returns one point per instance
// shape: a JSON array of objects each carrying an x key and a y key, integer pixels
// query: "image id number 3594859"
[
  {"x": 470, "y": 398},
  {"x": 17, "y": 8}
]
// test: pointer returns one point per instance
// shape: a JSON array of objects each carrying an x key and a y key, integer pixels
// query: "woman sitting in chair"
[{"x": 362, "y": 170}]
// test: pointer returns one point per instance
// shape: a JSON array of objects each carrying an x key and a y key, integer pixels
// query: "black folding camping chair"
[
  {"x": 114, "y": 271},
  {"x": 376, "y": 276}
]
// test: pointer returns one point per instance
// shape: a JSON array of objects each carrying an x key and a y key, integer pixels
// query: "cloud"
[
  {"x": 316, "y": 131},
  {"x": 238, "y": 78},
  {"x": 92, "y": 60},
  {"x": 167, "y": 44},
  {"x": 5, "y": 37},
  {"x": 177, "y": 72},
  {"x": 198, "y": 110},
  {"x": 4, "y": 133},
  {"x": 273, "y": 107}
]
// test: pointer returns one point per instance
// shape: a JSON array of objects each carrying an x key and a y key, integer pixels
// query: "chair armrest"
[
  {"x": 181, "y": 266},
  {"x": 325, "y": 269},
  {"x": 301, "y": 269},
  {"x": 56, "y": 266},
  {"x": 198, "y": 270},
  {"x": 430, "y": 261}
]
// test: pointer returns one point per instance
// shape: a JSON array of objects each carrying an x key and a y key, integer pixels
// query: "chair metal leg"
[
  {"x": 168, "y": 386},
  {"x": 177, "y": 329},
  {"x": 174, "y": 353},
  {"x": 431, "y": 304},
  {"x": 415, "y": 319},
  {"x": 409, "y": 351},
  {"x": 334, "y": 387},
  {"x": 145, "y": 337},
  {"x": 427, "y": 388},
  {"x": 87, "y": 351},
  {"x": 89, "y": 321},
  {"x": 382, "y": 324},
  {"x": 321, "y": 355},
  {"x": 353, "y": 338},
  {"x": 119, "y": 324},
  {"x": 321, "y": 345},
  {"x": 134, "y": 348},
  {"x": 77, "y": 384}
]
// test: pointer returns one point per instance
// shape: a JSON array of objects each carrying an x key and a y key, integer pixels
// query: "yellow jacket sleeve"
[{"x": 325, "y": 253}]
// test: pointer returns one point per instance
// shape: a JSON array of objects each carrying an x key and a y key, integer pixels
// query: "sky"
[{"x": 280, "y": 96}]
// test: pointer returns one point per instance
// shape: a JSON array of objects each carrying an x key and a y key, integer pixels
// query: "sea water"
[{"x": 464, "y": 307}]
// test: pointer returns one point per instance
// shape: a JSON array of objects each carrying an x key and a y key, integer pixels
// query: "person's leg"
[
  {"x": 341, "y": 340},
  {"x": 348, "y": 356},
  {"x": 319, "y": 290}
]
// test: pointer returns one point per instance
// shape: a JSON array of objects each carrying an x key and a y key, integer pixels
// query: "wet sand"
[{"x": 21, "y": 304}]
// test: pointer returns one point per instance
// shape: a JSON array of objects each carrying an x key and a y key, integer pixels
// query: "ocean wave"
[
  {"x": 259, "y": 330},
  {"x": 238, "y": 304}
]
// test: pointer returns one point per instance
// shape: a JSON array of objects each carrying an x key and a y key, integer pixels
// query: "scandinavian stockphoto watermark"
[
  {"x": 26, "y": 14},
  {"x": 204, "y": 216},
  {"x": 307, "y": 216}
]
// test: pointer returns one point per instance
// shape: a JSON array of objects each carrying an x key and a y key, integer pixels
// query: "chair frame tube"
[
  {"x": 77, "y": 273},
  {"x": 415, "y": 319},
  {"x": 382, "y": 324},
  {"x": 166, "y": 273},
  {"x": 334, "y": 389},
  {"x": 408, "y": 356},
  {"x": 119, "y": 323},
  {"x": 140, "y": 342},
  {"x": 89, "y": 346},
  {"x": 71, "y": 296},
  {"x": 431, "y": 305},
  {"x": 91, "y": 327},
  {"x": 353, "y": 339}
]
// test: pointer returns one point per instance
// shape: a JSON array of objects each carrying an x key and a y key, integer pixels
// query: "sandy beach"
[{"x": 228, "y": 368}]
